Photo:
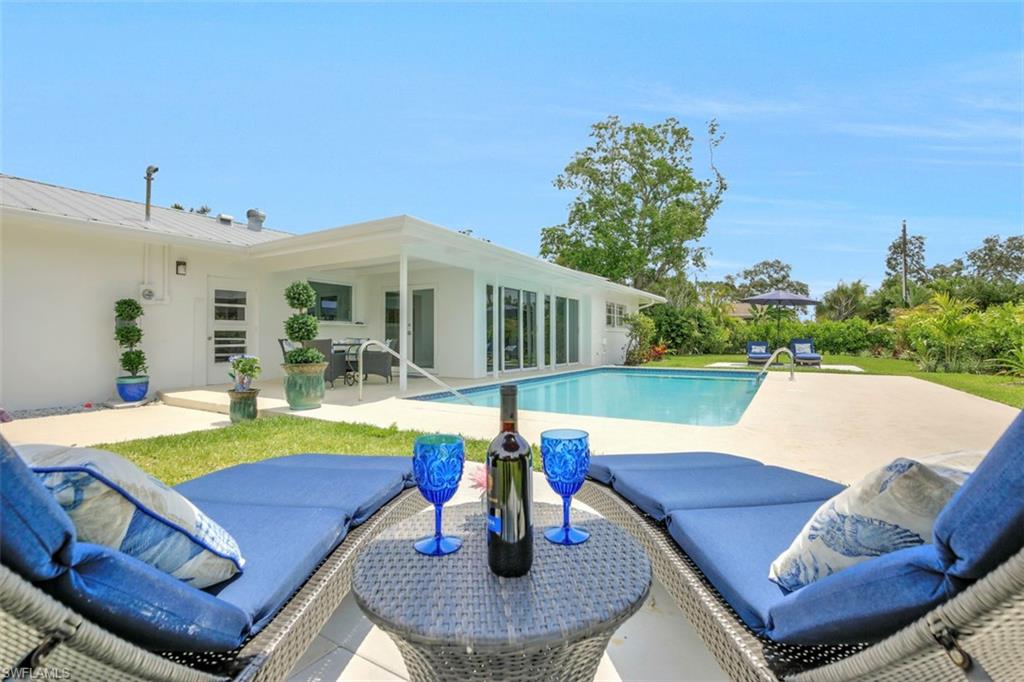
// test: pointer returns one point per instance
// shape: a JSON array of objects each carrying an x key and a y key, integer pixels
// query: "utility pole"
[{"x": 906, "y": 298}]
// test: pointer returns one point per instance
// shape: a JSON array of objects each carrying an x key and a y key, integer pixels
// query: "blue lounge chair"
[
  {"x": 300, "y": 521},
  {"x": 758, "y": 352},
  {"x": 953, "y": 609},
  {"x": 803, "y": 352}
]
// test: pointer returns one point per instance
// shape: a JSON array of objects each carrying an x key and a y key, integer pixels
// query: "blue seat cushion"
[
  {"x": 759, "y": 356},
  {"x": 145, "y": 605},
  {"x": 733, "y": 547},
  {"x": 36, "y": 535},
  {"x": 603, "y": 468},
  {"x": 865, "y": 602},
  {"x": 808, "y": 356},
  {"x": 288, "y": 514},
  {"x": 983, "y": 524},
  {"x": 658, "y": 492}
]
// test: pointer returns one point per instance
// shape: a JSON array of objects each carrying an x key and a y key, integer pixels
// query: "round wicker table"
[{"x": 453, "y": 619}]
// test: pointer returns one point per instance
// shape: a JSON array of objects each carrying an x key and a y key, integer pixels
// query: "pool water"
[{"x": 707, "y": 398}]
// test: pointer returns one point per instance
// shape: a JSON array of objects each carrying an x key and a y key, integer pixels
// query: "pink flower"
[{"x": 478, "y": 478}]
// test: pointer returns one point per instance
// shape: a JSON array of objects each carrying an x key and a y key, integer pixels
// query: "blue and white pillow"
[
  {"x": 114, "y": 503},
  {"x": 891, "y": 508},
  {"x": 759, "y": 348},
  {"x": 802, "y": 348}
]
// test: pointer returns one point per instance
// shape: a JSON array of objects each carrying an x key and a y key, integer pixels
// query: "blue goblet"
[
  {"x": 566, "y": 455},
  {"x": 437, "y": 464}
]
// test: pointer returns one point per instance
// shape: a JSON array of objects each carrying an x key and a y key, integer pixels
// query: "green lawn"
[
  {"x": 996, "y": 387},
  {"x": 174, "y": 459}
]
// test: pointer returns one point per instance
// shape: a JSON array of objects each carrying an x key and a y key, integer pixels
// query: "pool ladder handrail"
[
  {"x": 373, "y": 342},
  {"x": 767, "y": 365}
]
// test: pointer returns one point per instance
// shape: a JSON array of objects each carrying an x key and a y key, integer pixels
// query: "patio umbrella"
[{"x": 780, "y": 298}]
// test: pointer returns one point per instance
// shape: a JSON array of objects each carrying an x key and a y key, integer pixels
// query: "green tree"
[
  {"x": 639, "y": 209},
  {"x": 844, "y": 302},
  {"x": 917, "y": 271},
  {"x": 768, "y": 275},
  {"x": 997, "y": 260}
]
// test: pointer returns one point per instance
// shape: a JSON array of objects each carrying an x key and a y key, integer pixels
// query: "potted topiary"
[
  {"x": 303, "y": 366},
  {"x": 244, "y": 369},
  {"x": 128, "y": 334}
]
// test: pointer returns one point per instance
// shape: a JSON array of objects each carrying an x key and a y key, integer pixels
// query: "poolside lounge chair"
[
  {"x": 758, "y": 352},
  {"x": 58, "y": 611},
  {"x": 803, "y": 352},
  {"x": 712, "y": 524}
]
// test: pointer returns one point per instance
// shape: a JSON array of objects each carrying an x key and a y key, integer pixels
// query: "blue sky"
[{"x": 841, "y": 120}]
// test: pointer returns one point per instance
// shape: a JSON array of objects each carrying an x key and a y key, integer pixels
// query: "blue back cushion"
[
  {"x": 604, "y": 468},
  {"x": 122, "y": 594},
  {"x": 865, "y": 602},
  {"x": 983, "y": 525},
  {"x": 145, "y": 605},
  {"x": 36, "y": 536}
]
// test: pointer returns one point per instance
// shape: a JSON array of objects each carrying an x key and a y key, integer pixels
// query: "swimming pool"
[{"x": 707, "y": 398}]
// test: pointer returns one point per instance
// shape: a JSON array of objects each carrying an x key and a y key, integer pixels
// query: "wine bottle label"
[{"x": 494, "y": 524}]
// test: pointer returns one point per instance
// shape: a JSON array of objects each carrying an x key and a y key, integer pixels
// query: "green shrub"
[
  {"x": 133, "y": 362},
  {"x": 300, "y": 295},
  {"x": 301, "y": 326},
  {"x": 641, "y": 338},
  {"x": 244, "y": 370},
  {"x": 303, "y": 356},
  {"x": 128, "y": 335}
]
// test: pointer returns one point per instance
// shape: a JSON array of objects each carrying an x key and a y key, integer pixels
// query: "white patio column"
[{"x": 403, "y": 321}]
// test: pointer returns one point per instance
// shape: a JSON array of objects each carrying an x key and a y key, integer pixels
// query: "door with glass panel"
[
  {"x": 230, "y": 310},
  {"x": 421, "y": 336}
]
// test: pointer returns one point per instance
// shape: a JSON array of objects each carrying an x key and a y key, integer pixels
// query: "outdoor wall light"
[{"x": 181, "y": 268}]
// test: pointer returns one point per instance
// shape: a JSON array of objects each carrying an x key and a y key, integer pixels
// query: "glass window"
[
  {"x": 510, "y": 298},
  {"x": 333, "y": 302},
  {"x": 392, "y": 316},
  {"x": 228, "y": 342},
  {"x": 229, "y": 305},
  {"x": 489, "y": 326},
  {"x": 547, "y": 330},
  {"x": 615, "y": 314},
  {"x": 529, "y": 329},
  {"x": 574, "y": 330},
  {"x": 561, "y": 312}
]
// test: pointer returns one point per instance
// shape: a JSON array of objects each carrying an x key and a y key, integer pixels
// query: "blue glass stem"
[
  {"x": 566, "y": 500},
  {"x": 437, "y": 522}
]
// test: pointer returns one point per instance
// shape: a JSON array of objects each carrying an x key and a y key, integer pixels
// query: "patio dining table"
[{"x": 453, "y": 619}]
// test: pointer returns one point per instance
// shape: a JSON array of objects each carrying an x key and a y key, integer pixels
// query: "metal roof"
[{"x": 44, "y": 198}]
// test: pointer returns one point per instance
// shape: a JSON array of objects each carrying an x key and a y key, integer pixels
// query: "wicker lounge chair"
[
  {"x": 38, "y": 631},
  {"x": 976, "y": 635}
]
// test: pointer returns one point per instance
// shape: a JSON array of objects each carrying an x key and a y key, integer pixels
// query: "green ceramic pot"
[
  {"x": 243, "y": 405},
  {"x": 304, "y": 385}
]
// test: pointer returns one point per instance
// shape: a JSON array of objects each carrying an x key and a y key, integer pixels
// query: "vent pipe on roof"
[
  {"x": 150, "y": 172},
  {"x": 256, "y": 218}
]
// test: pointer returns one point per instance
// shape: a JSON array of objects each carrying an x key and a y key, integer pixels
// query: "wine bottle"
[{"x": 509, "y": 494}]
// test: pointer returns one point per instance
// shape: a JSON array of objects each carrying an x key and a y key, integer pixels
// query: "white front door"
[{"x": 229, "y": 325}]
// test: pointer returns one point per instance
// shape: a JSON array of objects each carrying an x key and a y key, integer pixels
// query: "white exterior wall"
[
  {"x": 609, "y": 342},
  {"x": 57, "y": 298}
]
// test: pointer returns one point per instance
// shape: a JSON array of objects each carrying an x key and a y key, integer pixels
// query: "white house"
[{"x": 212, "y": 286}]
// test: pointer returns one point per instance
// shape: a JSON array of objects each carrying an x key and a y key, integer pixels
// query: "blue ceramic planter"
[{"x": 132, "y": 389}]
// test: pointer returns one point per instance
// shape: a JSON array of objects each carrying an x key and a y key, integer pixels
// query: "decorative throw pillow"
[
  {"x": 802, "y": 348},
  {"x": 891, "y": 508},
  {"x": 115, "y": 504},
  {"x": 759, "y": 349}
]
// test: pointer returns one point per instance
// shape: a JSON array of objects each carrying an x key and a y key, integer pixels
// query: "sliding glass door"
[
  {"x": 511, "y": 327},
  {"x": 529, "y": 324},
  {"x": 573, "y": 322},
  {"x": 561, "y": 312}
]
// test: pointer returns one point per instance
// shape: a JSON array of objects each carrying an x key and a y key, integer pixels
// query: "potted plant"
[
  {"x": 244, "y": 369},
  {"x": 128, "y": 334},
  {"x": 303, "y": 366}
]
